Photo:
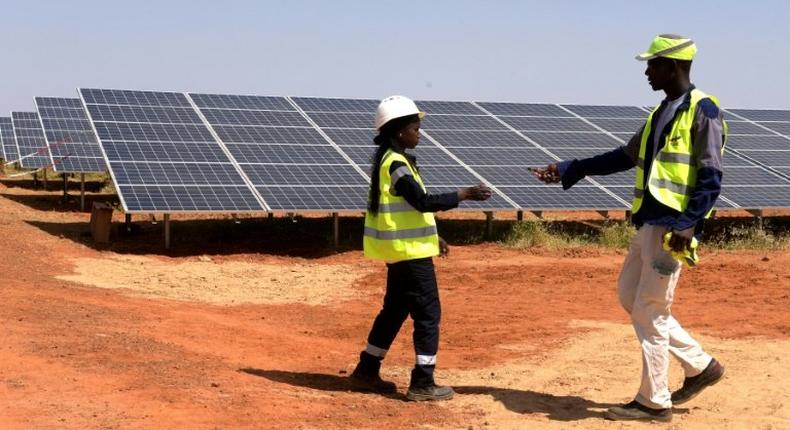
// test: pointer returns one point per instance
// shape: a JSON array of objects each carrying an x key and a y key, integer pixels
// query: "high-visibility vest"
[
  {"x": 398, "y": 232},
  {"x": 673, "y": 173}
]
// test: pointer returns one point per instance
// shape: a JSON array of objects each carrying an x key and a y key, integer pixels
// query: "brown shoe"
[
  {"x": 694, "y": 385},
  {"x": 636, "y": 411}
]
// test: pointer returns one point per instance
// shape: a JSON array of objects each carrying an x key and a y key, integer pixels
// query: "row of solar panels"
[{"x": 181, "y": 152}]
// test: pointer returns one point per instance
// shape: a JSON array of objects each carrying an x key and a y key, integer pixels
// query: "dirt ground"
[{"x": 225, "y": 331}]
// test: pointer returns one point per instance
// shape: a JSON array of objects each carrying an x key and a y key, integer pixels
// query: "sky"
[{"x": 521, "y": 51}]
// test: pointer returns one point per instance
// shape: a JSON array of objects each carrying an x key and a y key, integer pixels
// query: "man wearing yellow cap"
[{"x": 677, "y": 154}]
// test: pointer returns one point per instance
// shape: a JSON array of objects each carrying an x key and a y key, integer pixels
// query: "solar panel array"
[
  {"x": 758, "y": 160},
  {"x": 173, "y": 152},
  {"x": 289, "y": 162},
  {"x": 70, "y": 137},
  {"x": 30, "y": 140},
  {"x": 162, "y": 156},
  {"x": 7, "y": 139}
]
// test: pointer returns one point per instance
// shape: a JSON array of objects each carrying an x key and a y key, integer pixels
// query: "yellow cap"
[{"x": 670, "y": 46}]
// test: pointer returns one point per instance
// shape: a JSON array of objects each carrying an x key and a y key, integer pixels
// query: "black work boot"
[
  {"x": 636, "y": 411},
  {"x": 430, "y": 392},
  {"x": 694, "y": 385},
  {"x": 422, "y": 386},
  {"x": 365, "y": 376}
]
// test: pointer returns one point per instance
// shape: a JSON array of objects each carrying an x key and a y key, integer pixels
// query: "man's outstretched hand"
[{"x": 549, "y": 174}]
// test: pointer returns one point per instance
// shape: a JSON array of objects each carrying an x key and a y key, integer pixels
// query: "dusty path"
[{"x": 93, "y": 338}]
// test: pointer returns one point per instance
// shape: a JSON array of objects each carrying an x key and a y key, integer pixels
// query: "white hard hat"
[{"x": 395, "y": 107}]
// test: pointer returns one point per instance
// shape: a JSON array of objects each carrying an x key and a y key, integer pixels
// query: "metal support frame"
[
  {"x": 152, "y": 218},
  {"x": 35, "y": 180},
  {"x": 538, "y": 214},
  {"x": 604, "y": 214},
  {"x": 82, "y": 192},
  {"x": 167, "y": 231},
  {"x": 128, "y": 222},
  {"x": 44, "y": 172},
  {"x": 271, "y": 215},
  {"x": 335, "y": 229},
  {"x": 65, "y": 187},
  {"x": 520, "y": 216},
  {"x": 758, "y": 217},
  {"x": 235, "y": 218},
  {"x": 489, "y": 224}
]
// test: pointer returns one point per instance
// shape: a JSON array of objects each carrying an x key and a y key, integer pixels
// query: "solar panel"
[
  {"x": 163, "y": 158},
  {"x": 523, "y": 109},
  {"x": 282, "y": 152},
  {"x": 10, "y": 151},
  {"x": 547, "y": 197},
  {"x": 30, "y": 140},
  {"x": 525, "y": 123},
  {"x": 769, "y": 158},
  {"x": 573, "y": 140},
  {"x": 779, "y": 127},
  {"x": 758, "y": 142},
  {"x": 603, "y": 111},
  {"x": 744, "y": 127},
  {"x": 70, "y": 136},
  {"x": 762, "y": 114}
]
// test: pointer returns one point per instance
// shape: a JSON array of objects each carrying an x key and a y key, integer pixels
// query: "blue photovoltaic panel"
[
  {"x": 10, "y": 151},
  {"x": 548, "y": 197},
  {"x": 758, "y": 197},
  {"x": 779, "y": 127},
  {"x": 762, "y": 114},
  {"x": 315, "y": 104},
  {"x": 479, "y": 139},
  {"x": 461, "y": 122},
  {"x": 348, "y": 124},
  {"x": 30, "y": 140},
  {"x": 769, "y": 158},
  {"x": 70, "y": 136},
  {"x": 744, "y": 127},
  {"x": 573, "y": 140},
  {"x": 290, "y": 164},
  {"x": 602, "y": 111},
  {"x": 524, "y": 109},
  {"x": 619, "y": 125},
  {"x": 758, "y": 142},
  {"x": 444, "y": 107},
  {"x": 162, "y": 157},
  {"x": 547, "y": 123}
]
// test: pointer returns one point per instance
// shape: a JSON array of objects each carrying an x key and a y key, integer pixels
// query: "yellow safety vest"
[
  {"x": 398, "y": 232},
  {"x": 673, "y": 172}
]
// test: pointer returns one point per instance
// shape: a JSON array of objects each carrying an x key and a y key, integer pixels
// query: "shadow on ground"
[
  {"x": 315, "y": 381},
  {"x": 556, "y": 408},
  {"x": 57, "y": 202}
]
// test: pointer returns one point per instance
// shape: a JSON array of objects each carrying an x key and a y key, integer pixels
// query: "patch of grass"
[
  {"x": 754, "y": 237},
  {"x": 616, "y": 234},
  {"x": 542, "y": 234}
]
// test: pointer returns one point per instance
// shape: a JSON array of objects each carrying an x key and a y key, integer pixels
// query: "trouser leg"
[
  {"x": 630, "y": 273},
  {"x": 687, "y": 350},
  {"x": 425, "y": 310},
  {"x": 391, "y": 317},
  {"x": 651, "y": 316}
]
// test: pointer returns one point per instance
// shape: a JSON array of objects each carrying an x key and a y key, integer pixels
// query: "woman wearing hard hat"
[{"x": 400, "y": 230}]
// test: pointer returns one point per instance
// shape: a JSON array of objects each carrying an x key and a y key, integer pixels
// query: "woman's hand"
[
  {"x": 549, "y": 174},
  {"x": 478, "y": 192},
  {"x": 444, "y": 248}
]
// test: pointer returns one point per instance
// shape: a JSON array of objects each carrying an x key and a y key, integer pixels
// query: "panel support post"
[
  {"x": 45, "y": 178},
  {"x": 335, "y": 230},
  {"x": 167, "y": 231},
  {"x": 758, "y": 217},
  {"x": 271, "y": 215},
  {"x": 520, "y": 216},
  {"x": 82, "y": 192},
  {"x": 35, "y": 180},
  {"x": 489, "y": 225},
  {"x": 65, "y": 188},
  {"x": 128, "y": 222},
  {"x": 538, "y": 214},
  {"x": 604, "y": 214}
]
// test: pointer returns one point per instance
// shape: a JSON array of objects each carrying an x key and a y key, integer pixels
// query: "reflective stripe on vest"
[
  {"x": 398, "y": 231},
  {"x": 672, "y": 174}
]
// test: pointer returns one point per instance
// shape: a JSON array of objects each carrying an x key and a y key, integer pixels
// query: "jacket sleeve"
[
  {"x": 617, "y": 160},
  {"x": 404, "y": 185},
  {"x": 707, "y": 142}
]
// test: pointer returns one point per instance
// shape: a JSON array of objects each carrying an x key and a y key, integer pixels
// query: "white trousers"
[{"x": 646, "y": 288}]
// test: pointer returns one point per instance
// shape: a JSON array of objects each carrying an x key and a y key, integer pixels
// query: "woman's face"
[{"x": 409, "y": 136}]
